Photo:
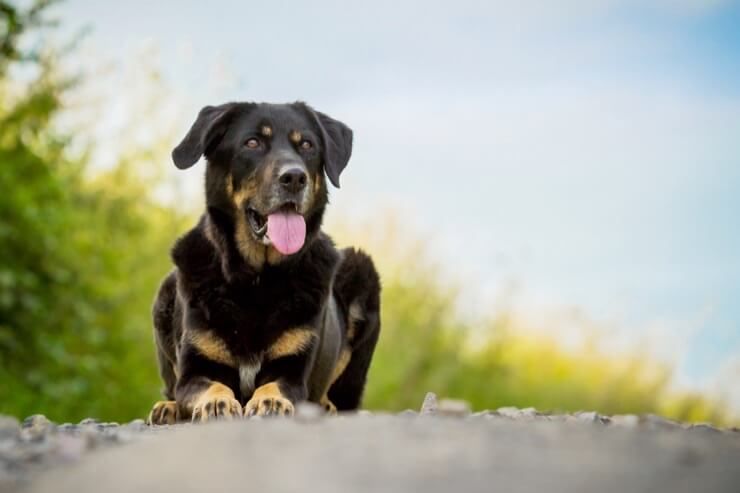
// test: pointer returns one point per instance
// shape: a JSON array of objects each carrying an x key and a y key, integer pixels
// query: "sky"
[{"x": 584, "y": 154}]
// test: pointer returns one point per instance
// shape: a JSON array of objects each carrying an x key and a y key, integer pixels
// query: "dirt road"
[{"x": 506, "y": 451}]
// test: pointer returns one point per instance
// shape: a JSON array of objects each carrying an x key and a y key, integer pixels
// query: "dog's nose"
[{"x": 293, "y": 179}]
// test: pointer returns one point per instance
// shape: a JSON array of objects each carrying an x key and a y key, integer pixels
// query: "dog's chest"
[
  {"x": 248, "y": 371},
  {"x": 244, "y": 315},
  {"x": 250, "y": 318}
]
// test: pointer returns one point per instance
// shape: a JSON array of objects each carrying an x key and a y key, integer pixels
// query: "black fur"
[{"x": 243, "y": 295}]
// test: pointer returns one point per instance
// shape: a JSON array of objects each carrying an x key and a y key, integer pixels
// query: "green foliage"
[
  {"x": 80, "y": 260},
  {"x": 426, "y": 345}
]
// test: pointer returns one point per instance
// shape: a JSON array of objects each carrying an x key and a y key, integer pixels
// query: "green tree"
[{"x": 80, "y": 255}]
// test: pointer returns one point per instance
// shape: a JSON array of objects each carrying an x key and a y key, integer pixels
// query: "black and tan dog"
[{"x": 261, "y": 310}]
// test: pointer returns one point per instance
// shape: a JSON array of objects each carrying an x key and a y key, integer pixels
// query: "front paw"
[
  {"x": 269, "y": 406},
  {"x": 210, "y": 408},
  {"x": 163, "y": 413},
  {"x": 329, "y": 407}
]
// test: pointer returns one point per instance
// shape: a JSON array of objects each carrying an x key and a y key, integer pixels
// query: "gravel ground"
[{"x": 442, "y": 447}]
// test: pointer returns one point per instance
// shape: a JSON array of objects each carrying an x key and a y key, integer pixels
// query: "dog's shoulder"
[
  {"x": 194, "y": 255},
  {"x": 321, "y": 258}
]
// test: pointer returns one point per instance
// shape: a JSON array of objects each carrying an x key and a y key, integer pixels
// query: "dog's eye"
[
  {"x": 252, "y": 143},
  {"x": 306, "y": 145}
]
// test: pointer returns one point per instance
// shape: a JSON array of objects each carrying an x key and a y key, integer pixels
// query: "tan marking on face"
[
  {"x": 295, "y": 136},
  {"x": 266, "y": 131},
  {"x": 294, "y": 341},
  {"x": 212, "y": 347},
  {"x": 230, "y": 185},
  {"x": 317, "y": 182},
  {"x": 250, "y": 249},
  {"x": 246, "y": 191}
]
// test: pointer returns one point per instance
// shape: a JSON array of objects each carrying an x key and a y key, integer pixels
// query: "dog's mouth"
[
  {"x": 284, "y": 228},
  {"x": 257, "y": 222}
]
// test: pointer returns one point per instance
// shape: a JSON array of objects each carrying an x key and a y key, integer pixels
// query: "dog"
[{"x": 261, "y": 310}]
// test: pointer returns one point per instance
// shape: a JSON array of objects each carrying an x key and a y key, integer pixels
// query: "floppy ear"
[
  {"x": 207, "y": 131},
  {"x": 337, "y": 139}
]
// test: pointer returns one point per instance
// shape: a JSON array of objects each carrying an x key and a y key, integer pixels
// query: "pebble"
[
  {"x": 136, "y": 425},
  {"x": 528, "y": 413},
  {"x": 508, "y": 412},
  {"x": 430, "y": 405},
  {"x": 591, "y": 417},
  {"x": 36, "y": 427},
  {"x": 36, "y": 421},
  {"x": 487, "y": 414},
  {"x": 453, "y": 407},
  {"x": 653, "y": 421},
  {"x": 705, "y": 427},
  {"x": 625, "y": 420}
]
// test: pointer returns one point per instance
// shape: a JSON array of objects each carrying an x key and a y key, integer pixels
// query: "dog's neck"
[{"x": 240, "y": 253}]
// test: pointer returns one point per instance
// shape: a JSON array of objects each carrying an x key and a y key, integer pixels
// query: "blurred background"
[{"x": 550, "y": 191}]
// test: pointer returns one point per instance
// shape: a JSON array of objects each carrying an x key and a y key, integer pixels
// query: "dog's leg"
[
  {"x": 165, "y": 412},
  {"x": 339, "y": 367},
  {"x": 358, "y": 286},
  {"x": 208, "y": 382},
  {"x": 282, "y": 379}
]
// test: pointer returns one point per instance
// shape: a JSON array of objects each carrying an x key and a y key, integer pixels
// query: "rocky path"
[{"x": 442, "y": 448}]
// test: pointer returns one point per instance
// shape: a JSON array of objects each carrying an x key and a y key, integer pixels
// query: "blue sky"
[{"x": 588, "y": 152}]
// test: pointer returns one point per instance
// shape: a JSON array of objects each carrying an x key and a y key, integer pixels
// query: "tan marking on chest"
[
  {"x": 294, "y": 341},
  {"x": 212, "y": 347},
  {"x": 247, "y": 376}
]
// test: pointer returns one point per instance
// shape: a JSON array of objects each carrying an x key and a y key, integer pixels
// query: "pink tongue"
[{"x": 287, "y": 231}]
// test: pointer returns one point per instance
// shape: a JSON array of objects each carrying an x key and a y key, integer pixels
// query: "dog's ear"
[
  {"x": 337, "y": 139},
  {"x": 206, "y": 132}
]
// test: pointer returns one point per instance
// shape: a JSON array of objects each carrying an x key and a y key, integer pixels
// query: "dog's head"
[{"x": 266, "y": 166}]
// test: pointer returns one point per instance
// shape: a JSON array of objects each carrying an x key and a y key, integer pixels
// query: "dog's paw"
[
  {"x": 215, "y": 407},
  {"x": 163, "y": 413},
  {"x": 328, "y": 406},
  {"x": 269, "y": 406}
]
